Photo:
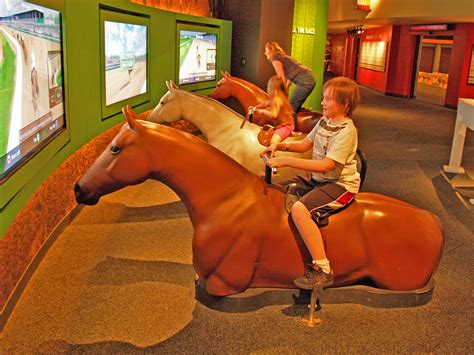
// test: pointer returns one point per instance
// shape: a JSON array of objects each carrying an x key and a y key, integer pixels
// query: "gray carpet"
[{"x": 119, "y": 279}]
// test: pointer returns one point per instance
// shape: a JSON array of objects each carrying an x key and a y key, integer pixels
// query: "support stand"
[
  {"x": 311, "y": 319},
  {"x": 463, "y": 187},
  {"x": 464, "y": 120}
]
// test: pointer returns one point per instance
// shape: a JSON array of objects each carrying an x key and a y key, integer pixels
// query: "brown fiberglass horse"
[
  {"x": 249, "y": 94},
  {"x": 243, "y": 237}
]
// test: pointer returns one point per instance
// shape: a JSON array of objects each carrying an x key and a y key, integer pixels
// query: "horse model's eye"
[
  {"x": 162, "y": 102},
  {"x": 114, "y": 149}
]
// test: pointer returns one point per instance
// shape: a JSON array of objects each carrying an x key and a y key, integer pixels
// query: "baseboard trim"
[{"x": 33, "y": 265}]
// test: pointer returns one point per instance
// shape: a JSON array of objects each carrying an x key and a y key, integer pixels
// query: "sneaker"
[{"x": 314, "y": 277}]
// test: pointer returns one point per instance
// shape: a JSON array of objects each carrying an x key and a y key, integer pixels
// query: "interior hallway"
[{"x": 119, "y": 278}]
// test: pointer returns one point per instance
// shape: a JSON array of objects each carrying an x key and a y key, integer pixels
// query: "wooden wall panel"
[{"x": 189, "y": 7}]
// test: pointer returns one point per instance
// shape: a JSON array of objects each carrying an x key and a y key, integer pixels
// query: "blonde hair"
[
  {"x": 277, "y": 86},
  {"x": 274, "y": 47},
  {"x": 279, "y": 105},
  {"x": 345, "y": 92}
]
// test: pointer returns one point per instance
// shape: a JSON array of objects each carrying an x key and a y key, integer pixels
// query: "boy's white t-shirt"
[{"x": 338, "y": 143}]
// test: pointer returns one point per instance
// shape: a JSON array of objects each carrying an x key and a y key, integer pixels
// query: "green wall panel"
[
  {"x": 82, "y": 78},
  {"x": 309, "y": 41}
]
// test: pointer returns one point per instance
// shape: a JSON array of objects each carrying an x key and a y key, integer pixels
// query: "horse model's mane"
[{"x": 212, "y": 102}]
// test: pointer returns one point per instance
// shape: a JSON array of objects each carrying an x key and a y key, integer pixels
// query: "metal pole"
[{"x": 311, "y": 319}]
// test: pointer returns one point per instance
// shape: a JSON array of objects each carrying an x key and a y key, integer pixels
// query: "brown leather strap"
[{"x": 249, "y": 115}]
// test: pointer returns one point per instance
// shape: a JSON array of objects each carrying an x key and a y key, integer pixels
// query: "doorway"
[{"x": 432, "y": 73}]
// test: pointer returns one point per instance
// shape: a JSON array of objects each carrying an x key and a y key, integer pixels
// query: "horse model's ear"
[
  {"x": 225, "y": 74},
  {"x": 174, "y": 85},
  {"x": 132, "y": 119},
  {"x": 171, "y": 86}
]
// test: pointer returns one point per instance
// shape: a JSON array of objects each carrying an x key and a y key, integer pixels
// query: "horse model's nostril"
[
  {"x": 84, "y": 197},
  {"x": 78, "y": 192}
]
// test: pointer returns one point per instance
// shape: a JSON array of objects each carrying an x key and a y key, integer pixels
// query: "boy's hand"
[{"x": 277, "y": 162}]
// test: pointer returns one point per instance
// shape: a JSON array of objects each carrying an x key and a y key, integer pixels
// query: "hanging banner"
[{"x": 373, "y": 55}]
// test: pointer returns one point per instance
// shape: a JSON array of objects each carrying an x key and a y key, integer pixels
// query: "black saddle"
[{"x": 322, "y": 219}]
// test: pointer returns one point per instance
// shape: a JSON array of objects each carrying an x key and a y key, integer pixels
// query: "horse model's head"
[
  {"x": 169, "y": 108},
  {"x": 223, "y": 90},
  {"x": 124, "y": 162}
]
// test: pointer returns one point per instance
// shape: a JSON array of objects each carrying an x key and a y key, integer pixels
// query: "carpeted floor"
[{"x": 119, "y": 279}]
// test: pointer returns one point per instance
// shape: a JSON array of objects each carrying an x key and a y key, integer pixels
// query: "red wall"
[
  {"x": 402, "y": 60},
  {"x": 371, "y": 78},
  {"x": 460, "y": 58},
  {"x": 398, "y": 76}
]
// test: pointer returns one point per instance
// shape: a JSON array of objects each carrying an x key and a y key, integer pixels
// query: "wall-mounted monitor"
[
  {"x": 124, "y": 61},
  {"x": 197, "y": 55},
  {"x": 31, "y": 82}
]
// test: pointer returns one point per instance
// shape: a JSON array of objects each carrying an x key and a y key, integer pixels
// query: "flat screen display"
[
  {"x": 31, "y": 81},
  {"x": 197, "y": 56},
  {"x": 125, "y": 61}
]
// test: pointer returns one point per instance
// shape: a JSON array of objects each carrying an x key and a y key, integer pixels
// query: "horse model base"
[{"x": 255, "y": 298}]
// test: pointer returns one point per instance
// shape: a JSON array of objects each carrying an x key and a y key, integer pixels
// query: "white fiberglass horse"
[{"x": 220, "y": 125}]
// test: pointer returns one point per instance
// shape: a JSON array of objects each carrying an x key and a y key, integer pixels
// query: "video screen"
[
  {"x": 197, "y": 56},
  {"x": 31, "y": 81},
  {"x": 125, "y": 61}
]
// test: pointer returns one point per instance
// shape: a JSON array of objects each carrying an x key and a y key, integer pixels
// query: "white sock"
[{"x": 323, "y": 264}]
